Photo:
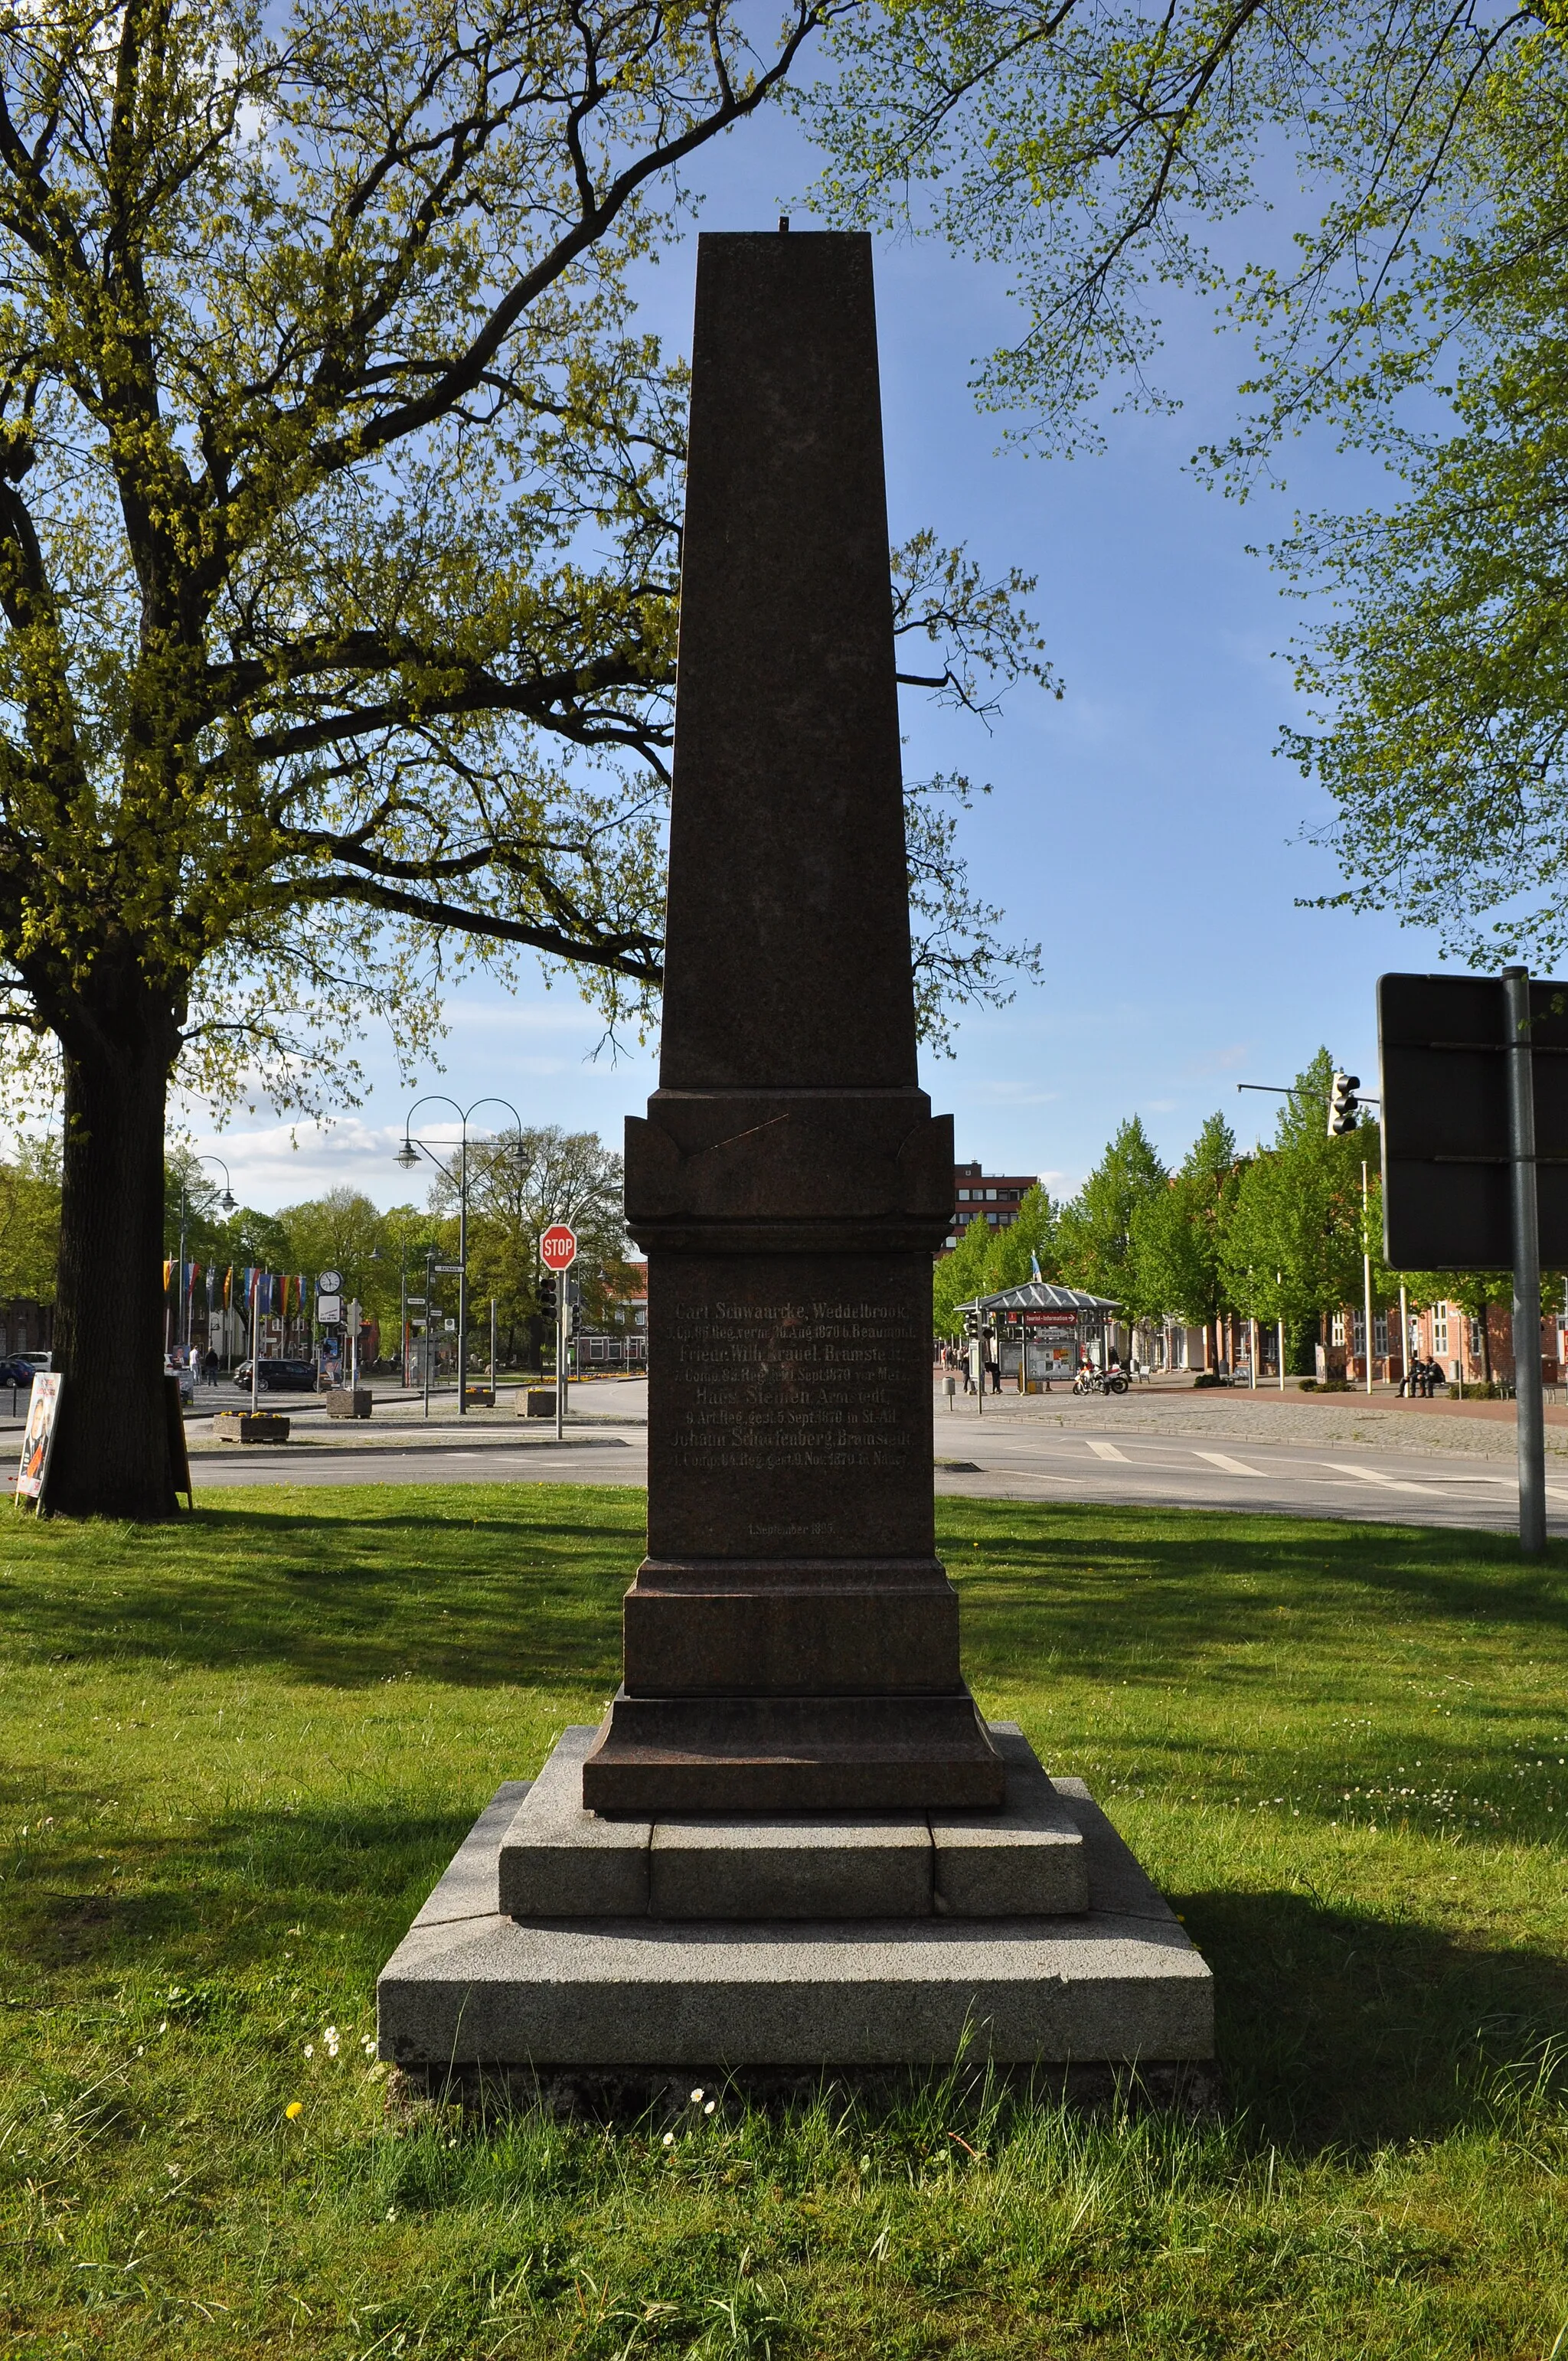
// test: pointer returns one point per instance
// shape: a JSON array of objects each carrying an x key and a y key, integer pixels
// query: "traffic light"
[
  {"x": 575, "y": 1321},
  {"x": 1343, "y": 1105},
  {"x": 547, "y": 1294},
  {"x": 971, "y": 1325}
]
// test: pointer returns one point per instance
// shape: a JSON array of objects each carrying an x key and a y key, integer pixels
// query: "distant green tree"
[
  {"x": 343, "y": 1232},
  {"x": 29, "y": 1220},
  {"x": 517, "y": 1185},
  {"x": 959, "y": 1276},
  {"x": 1030, "y": 1238},
  {"x": 1179, "y": 1235},
  {"x": 1094, "y": 1232},
  {"x": 1292, "y": 1246}
]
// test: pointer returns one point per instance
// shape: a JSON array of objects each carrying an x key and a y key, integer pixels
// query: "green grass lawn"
[{"x": 235, "y": 1753}]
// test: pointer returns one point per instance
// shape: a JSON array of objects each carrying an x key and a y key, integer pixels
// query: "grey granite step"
[
  {"x": 1121, "y": 1983},
  {"x": 559, "y": 1861}
]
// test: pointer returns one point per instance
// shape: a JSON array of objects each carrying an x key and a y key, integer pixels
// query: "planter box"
[
  {"x": 240, "y": 1426},
  {"x": 344, "y": 1403},
  {"x": 480, "y": 1397},
  {"x": 536, "y": 1402}
]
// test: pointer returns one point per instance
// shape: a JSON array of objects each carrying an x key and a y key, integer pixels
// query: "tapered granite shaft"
[{"x": 791, "y": 1640}]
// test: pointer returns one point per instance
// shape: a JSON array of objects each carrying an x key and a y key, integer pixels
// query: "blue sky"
[{"x": 1143, "y": 827}]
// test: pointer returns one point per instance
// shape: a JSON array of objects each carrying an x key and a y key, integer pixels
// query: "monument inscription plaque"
[{"x": 791, "y": 1640}]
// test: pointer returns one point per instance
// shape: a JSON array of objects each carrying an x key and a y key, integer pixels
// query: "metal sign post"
[
  {"x": 1475, "y": 1157},
  {"x": 557, "y": 1252},
  {"x": 1529, "y": 1421},
  {"x": 429, "y": 1308}
]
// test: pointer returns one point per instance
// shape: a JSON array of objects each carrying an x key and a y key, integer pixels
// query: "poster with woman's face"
[{"x": 39, "y": 1438}]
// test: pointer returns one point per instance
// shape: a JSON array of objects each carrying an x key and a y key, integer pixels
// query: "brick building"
[
  {"x": 994, "y": 1196},
  {"x": 1467, "y": 1350}
]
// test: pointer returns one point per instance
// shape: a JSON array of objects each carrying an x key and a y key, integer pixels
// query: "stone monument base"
[{"x": 1029, "y": 1935}]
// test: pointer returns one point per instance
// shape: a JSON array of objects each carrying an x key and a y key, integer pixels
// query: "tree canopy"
[
  {"x": 339, "y": 501},
  {"x": 1380, "y": 203},
  {"x": 1292, "y": 1247},
  {"x": 1179, "y": 1233},
  {"x": 1095, "y": 1231}
]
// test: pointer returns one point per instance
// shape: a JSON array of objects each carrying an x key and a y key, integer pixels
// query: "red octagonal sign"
[{"x": 558, "y": 1246}]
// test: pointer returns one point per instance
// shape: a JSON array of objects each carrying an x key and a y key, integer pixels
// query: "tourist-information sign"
[{"x": 558, "y": 1246}]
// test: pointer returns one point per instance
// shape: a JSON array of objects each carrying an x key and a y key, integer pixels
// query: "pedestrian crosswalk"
[{"x": 1373, "y": 1475}]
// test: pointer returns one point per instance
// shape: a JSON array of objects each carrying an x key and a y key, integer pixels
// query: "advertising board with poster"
[
  {"x": 37, "y": 1442},
  {"x": 1049, "y": 1338}
]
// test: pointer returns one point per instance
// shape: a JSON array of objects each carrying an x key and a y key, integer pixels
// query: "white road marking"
[
  {"x": 1231, "y": 1466},
  {"x": 1372, "y": 1475},
  {"x": 1107, "y": 1451}
]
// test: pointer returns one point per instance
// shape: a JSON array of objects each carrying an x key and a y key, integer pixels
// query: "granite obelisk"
[{"x": 791, "y": 1638}]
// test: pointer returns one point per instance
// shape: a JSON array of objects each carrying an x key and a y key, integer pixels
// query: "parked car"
[
  {"x": 17, "y": 1371},
  {"x": 278, "y": 1377}
]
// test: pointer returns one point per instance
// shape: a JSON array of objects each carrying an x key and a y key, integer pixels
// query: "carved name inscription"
[{"x": 800, "y": 1384}]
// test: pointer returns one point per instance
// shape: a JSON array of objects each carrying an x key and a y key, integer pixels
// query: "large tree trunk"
[{"x": 110, "y": 1454}]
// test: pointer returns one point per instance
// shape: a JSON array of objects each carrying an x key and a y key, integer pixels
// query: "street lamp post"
[
  {"x": 408, "y": 1156},
  {"x": 227, "y": 1202}
]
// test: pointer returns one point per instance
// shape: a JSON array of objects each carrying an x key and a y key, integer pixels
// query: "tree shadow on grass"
[
  {"x": 510, "y": 1596},
  {"x": 1145, "y": 1595},
  {"x": 529, "y": 1590},
  {"x": 226, "y": 1896},
  {"x": 1339, "y": 2029}
]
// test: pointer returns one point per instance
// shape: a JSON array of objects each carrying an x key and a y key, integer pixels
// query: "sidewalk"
[{"x": 1233, "y": 1414}]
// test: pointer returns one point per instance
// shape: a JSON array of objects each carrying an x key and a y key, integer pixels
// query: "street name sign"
[{"x": 558, "y": 1246}]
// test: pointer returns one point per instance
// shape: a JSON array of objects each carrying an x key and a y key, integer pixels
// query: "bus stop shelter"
[{"x": 1042, "y": 1331}]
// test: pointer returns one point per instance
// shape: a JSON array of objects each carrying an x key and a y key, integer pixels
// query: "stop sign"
[{"x": 558, "y": 1246}]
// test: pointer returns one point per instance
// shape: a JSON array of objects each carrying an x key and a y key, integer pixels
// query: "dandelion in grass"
[{"x": 293, "y": 2111}]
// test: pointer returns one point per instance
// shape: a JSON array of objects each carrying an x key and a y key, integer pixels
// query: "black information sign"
[{"x": 1442, "y": 1042}]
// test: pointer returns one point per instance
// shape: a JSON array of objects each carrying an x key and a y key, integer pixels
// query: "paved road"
[
  {"x": 1322, "y": 1458},
  {"x": 1334, "y": 1479},
  {"x": 1016, "y": 1457}
]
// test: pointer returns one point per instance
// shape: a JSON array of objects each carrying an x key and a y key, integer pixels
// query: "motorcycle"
[{"x": 1100, "y": 1381}]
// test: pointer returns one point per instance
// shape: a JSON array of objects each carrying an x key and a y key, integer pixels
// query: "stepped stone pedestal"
[
  {"x": 559, "y": 1939},
  {"x": 794, "y": 1842}
]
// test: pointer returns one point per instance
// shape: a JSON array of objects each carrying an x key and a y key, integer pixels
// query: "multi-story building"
[{"x": 995, "y": 1197}]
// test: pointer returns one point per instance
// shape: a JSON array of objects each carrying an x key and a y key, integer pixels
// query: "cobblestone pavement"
[{"x": 1240, "y": 1416}]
